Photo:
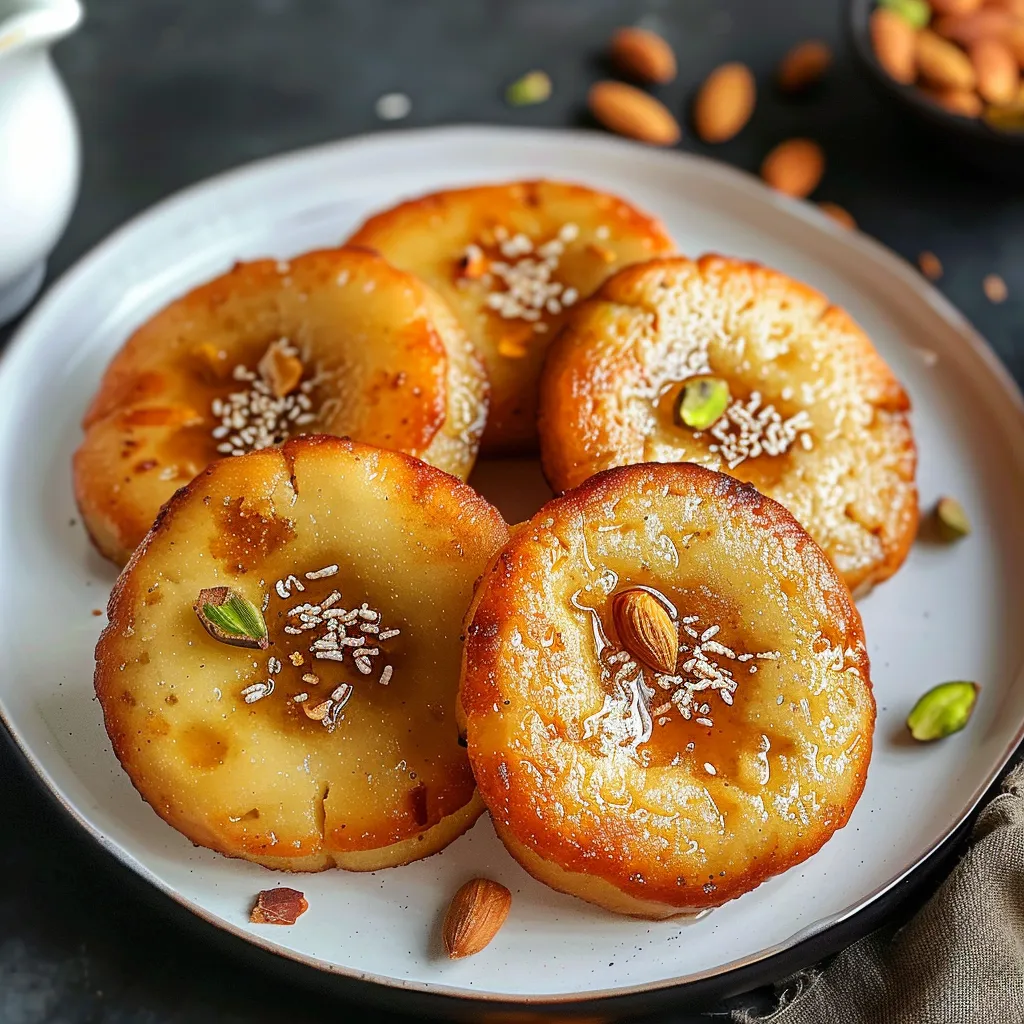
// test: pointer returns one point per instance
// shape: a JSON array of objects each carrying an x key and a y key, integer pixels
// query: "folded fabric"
[{"x": 960, "y": 960}]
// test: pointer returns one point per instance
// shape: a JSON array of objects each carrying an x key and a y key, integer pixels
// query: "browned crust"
[
  {"x": 583, "y": 428},
  {"x": 423, "y": 484},
  {"x": 436, "y": 376},
  {"x": 505, "y": 590}
]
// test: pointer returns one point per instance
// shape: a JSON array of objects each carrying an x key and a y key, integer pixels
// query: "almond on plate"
[
  {"x": 474, "y": 916},
  {"x": 942, "y": 63},
  {"x": 995, "y": 67}
]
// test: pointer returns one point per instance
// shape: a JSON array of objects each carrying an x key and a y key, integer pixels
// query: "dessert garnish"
[
  {"x": 533, "y": 87},
  {"x": 274, "y": 404},
  {"x": 474, "y": 916},
  {"x": 702, "y": 402},
  {"x": 646, "y": 629},
  {"x": 232, "y": 619},
  {"x": 942, "y": 711},
  {"x": 747, "y": 430},
  {"x": 278, "y": 906},
  {"x": 952, "y": 519},
  {"x": 524, "y": 275}
]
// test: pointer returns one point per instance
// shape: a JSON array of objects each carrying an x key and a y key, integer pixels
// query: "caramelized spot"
[
  {"x": 247, "y": 536},
  {"x": 418, "y": 800},
  {"x": 203, "y": 747}
]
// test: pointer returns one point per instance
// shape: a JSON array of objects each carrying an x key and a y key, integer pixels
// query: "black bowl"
[{"x": 969, "y": 139}]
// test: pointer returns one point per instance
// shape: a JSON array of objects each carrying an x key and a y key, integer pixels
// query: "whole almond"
[
  {"x": 965, "y": 29},
  {"x": 942, "y": 64},
  {"x": 474, "y": 916},
  {"x": 804, "y": 66},
  {"x": 643, "y": 55},
  {"x": 646, "y": 629},
  {"x": 955, "y": 6},
  {"x": 628, "y": 111},
  {"x": 963, "y": 102},
  {"x": 996, "y": 69},
  {"x": 724, "y": 102},
  {"x": 894, "y": 41},
  {"x": 794, "y": 167}
]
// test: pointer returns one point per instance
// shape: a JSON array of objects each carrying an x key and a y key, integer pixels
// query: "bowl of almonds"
[{"x": 955, "y": 66}]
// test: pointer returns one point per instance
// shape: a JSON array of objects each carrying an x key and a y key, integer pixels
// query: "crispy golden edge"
[
  {"x": 564, "y": 457},
  {"x": 120, "y": 616},
  {"x": 482, "y": 667}
]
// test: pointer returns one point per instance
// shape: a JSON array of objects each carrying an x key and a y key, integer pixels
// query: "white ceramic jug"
[{"x": 39, "y": 157}]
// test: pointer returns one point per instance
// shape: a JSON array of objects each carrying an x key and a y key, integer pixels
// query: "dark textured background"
[{"x": 171, "y": 91}]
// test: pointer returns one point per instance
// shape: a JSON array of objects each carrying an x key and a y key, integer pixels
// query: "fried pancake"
[
  {"x": 511, "y": 260},
  {"x": 816, "y": 420},
  {"x": 334, "y": 341},
  {"x": 658, "y": 786},
  {"x": 335, "y": 744}
]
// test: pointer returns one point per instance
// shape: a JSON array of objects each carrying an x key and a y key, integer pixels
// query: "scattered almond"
[
  {"x": 839, "y": 214},
  {"x": 943, "y": 64},
  {"x": 724, "y": 102},
  {"x": 278, "y": 906},
  {"x": 629, "y": 111},
  {"x": 995, "y": 288},
  {"x": 476, "y": 913},
  {"x": 996, "y": 69},
  {"x": 643, "y": 55},
  {"x": 646, "y": 629},
  {"x": 1014, "y": 39},
  {"x": 894, "y": 41},
  {"x": 804, "y": 66},
  {"x": 794, "y": 167},
  {"x": 930, "y": 264},
  {"x": 965, "y": 29},
  {"x": 963, "y": 102}
]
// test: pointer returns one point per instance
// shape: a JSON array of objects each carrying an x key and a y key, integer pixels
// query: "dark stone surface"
[{"x": 171, "y": 91}]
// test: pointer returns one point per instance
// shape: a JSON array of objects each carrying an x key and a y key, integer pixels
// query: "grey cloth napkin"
[{"x": 960, "y": 959}]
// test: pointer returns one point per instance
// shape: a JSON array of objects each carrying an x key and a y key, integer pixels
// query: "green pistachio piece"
[
  {"x": 534, "y": 87},
  {"x": 917, "y": 12},
  {"x": 942, "y": 711},
  {"x": 231, "y": 618},
  {"x": 701, "y": 402},
  {"x": 952, "y": 519}
]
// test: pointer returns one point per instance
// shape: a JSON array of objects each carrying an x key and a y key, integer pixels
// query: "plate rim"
[{"x": 856, "y": 242}]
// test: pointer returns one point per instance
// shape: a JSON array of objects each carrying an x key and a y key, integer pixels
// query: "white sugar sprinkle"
[
  {"x": 709, "y": 768},
  {"x": 393, "y": 106}
]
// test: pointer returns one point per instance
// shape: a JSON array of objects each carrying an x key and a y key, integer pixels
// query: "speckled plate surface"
[{"x": 950, "y": 613}]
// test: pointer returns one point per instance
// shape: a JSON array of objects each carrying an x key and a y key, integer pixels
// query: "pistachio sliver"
[
  {"x": 952, "y": 519},
  {"x": 230, "y": 618},
  {"x": 533, "y": 87},
  {"x": 942, "y": 711},
  {"x": 701, "y": 402}
]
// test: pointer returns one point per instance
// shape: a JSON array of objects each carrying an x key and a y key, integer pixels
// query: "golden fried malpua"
[
  {"x": 333, "y": 342},
  {"x": 665, "y": 691},
  {"x": 741, "y": 369},
  {"x": 328, "y": 736},
  {"x": 512, "y": 260}
]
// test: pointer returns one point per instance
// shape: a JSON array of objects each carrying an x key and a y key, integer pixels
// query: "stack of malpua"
[{"x": 326, "y": 649}]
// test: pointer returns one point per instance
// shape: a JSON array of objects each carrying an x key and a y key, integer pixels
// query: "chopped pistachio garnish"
[
  {"x": 952, "y": 519},
  {"x": 917, "y": 12},
  {"x": 231, "y": 618},
  {"x": 533, "y": 87},
  {"x": 942, "y": 711},
  {"x": 701, "y": 402}
]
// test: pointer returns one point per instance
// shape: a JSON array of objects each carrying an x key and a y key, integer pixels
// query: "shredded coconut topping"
[
  {"x": 523, "y": 284},
  {"x": 256, "y": 418},
  {"x": 748, "y": 429}
]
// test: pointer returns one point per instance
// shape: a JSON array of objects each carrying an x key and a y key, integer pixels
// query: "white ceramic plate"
[{"x": 951, "y": 613}]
